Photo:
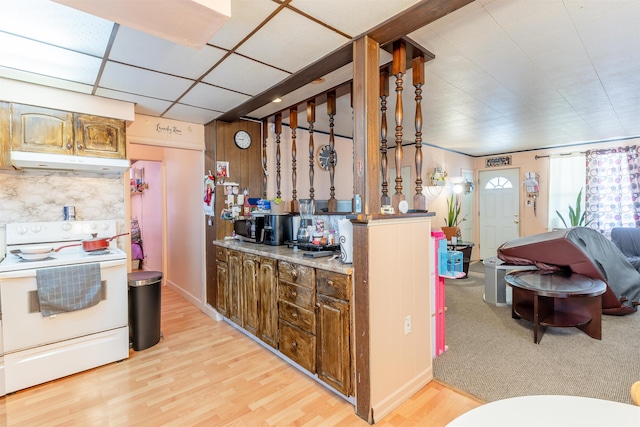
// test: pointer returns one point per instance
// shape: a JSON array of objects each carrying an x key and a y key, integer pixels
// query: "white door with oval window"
[{"x": 499, "y": 209}]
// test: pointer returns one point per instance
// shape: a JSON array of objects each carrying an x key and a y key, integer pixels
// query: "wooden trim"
[{"x": 362, "y": 384}]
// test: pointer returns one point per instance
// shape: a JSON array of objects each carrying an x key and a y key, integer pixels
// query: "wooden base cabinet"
[
  {"x": 268, "y": 302},
  {"x": 333, "y": 335},
  {"x": 234, "y": 262},
  {"x": 221, "y": 302}
]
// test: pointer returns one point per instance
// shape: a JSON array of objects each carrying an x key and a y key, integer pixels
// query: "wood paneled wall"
[{"x": 245, "y": 168}]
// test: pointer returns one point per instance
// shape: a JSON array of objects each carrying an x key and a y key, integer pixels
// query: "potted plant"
[
  {"x": 577, "y": 218},
  {"x": 453, "y": 219}
]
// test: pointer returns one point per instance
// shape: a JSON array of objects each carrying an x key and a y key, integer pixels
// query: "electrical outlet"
[{"x": 407, "y": 325}]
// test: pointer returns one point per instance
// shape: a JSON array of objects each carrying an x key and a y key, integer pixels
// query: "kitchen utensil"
[{"x": 97, "y": 244}]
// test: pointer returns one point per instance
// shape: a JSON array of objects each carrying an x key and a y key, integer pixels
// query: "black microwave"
[{"x": 250, "y": 229}]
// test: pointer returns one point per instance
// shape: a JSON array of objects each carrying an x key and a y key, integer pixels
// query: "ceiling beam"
[{"x": 395, "y": 28}]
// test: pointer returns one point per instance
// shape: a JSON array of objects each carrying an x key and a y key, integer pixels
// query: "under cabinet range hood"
[{"x": 28, "y": 160}]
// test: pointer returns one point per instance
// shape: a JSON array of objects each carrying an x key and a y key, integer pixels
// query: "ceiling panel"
[
  {"x": 126, "y": 78},
  {"x": 144, "y": 104},
  {"x": 213, "y": 98},
  {"x": 226, "y": 74},
  {"x": 188, "y": 113},
  {"x": 146, "y": 51}
]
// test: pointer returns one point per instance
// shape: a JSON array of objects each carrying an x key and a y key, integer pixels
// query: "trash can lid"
[{"x": 142, "y": 278}]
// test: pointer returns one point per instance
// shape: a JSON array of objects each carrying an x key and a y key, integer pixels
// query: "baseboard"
[{"x": 401, "y": 395}]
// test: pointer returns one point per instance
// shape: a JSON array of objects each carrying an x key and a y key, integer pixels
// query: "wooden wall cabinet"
[
  {"x": 100, "y": 137},
  {"x": 43, "y": 130},
  {"x": 5, "y": 135}
]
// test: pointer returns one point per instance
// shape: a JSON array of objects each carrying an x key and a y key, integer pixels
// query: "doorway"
[
  {"x": 147, "y": 210},
  {"x": 499, "y": 209}
]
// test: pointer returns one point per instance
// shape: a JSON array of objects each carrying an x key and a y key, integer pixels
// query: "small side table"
[{"x": 558, "y": 299}]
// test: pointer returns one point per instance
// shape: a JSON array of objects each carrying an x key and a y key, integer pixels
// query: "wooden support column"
[
  {"x": 311, "y": 118},
  {"x": 278, "y": 131},
  {"x": 265, "y": 173},
  {"x": 419, "y": 199},
  {"x": 366, "y": 176},
  {"x": 384, "y": 93},
  {"x": 398, "y": 69},
  {"x": 331, "y": 111},
  {"x": 293, "y": 125}
]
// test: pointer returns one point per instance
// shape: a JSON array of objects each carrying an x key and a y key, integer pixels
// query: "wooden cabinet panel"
[
  {"x": 303, "y": 319},
  {"x": 297, "y": 295},
  {"x": 332, "y": 334},
  {"x": 221, "y": 254},
  {"x": 5, "y": 135},
  {"x": 222, "y": 284},
  {"x": 235, "y": 286},
  {"x": 100, "y": 137},
  {"x": 298, "y": 345},
  {"x": 42, "y": 130},
  {"x": 333, "y": 284},
  {"x": 297, "y": 274},
  {"x": 268, "y": 302},
  {"x": 250, "y": 266}
]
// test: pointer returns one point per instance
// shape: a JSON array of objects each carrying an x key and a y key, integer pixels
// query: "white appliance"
[{"x": 38, "y": 349}]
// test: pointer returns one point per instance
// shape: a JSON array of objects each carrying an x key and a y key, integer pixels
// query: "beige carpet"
[{"x": 493, "y": 356}]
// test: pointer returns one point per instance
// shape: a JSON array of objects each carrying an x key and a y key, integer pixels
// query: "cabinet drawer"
[
  {"x": 304, "y": 319},
  {"x": 221, "y": 254},
  {"x": 298, "y": 345},
  {"x": 297, "y": 295},
  {"x": 297, "y": 274},
  {"x": 334, "y": 285}
]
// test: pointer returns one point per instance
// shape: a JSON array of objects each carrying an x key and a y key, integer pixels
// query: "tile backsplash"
[{"x": 35, "y": 195}]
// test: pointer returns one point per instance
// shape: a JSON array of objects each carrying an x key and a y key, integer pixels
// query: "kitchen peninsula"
[{"x": 298, "y": 305}]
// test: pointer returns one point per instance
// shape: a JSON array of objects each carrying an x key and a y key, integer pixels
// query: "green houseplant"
[
  {"x": 577, "y": 218},
  {"x": 453, "y": 219}
]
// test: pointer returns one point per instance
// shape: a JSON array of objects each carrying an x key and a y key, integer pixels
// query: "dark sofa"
[
  {"x": 583, "y": 251},
  {"x": 627, "y": 239}
]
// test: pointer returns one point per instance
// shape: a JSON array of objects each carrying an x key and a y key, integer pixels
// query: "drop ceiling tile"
[
  {"x": 261, "y": 77},
  {"x": 287, "y": 52},
  {"x": 245, "y": 17},
  {"x": 187, "y": 113},
  {"x": 213, "y": 98},
  {"x": 47, "y": 60},
  {"x": 56, "y": 24},
  {"x": 137, "y": 81},
  {"x": 146, "y": 51},
  {"x": 506, "y": 12},
  {"x": 39, "y": 79},
  {"x": 586, "y": 10},
  {"x": 356, "y": 16},
  {"x": 477, "y": 24},
  {"x": 143, "y": 104}
]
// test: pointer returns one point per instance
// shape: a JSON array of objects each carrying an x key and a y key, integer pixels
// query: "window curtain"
[
  {"x": 613, "y": 188},
  {"x": 567, "y": 176}
]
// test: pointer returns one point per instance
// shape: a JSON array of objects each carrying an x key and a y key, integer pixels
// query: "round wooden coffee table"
[{"x": 558, "y": 299}]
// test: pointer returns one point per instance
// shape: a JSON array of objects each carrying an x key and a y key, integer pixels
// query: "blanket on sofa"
[{"x": 584, "y": 251}]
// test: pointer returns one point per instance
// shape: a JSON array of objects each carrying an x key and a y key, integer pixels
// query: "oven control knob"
[
  {"x": 22, "y": 229},
  {"x": 66, "y": 226},
  {"x": 36, "y": 228},
  {"x": 94, "y": 226},
  {"x": 105, "y": 225}
]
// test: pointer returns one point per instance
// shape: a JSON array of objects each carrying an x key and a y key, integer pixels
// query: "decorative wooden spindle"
[
  {"x": 265, "y": 171},
  {"x": 311, "y": 118},
  {"x": 419, "y": 199},
  {"x": 399, "y": 67},
  {"x": 293, "y": 125},
  {"x": 331, "y": 111},
  {"x": 278, "y": 130},
  {"x": 384, "y": 93}
]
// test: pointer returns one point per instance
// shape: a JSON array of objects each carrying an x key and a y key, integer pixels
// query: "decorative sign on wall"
[{"x": 493, "y": 162}]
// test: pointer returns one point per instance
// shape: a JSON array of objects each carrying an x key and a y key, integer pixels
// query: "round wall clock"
[
  {"x": 324, "y": 157},
  {"x": 242, "y": 139}
]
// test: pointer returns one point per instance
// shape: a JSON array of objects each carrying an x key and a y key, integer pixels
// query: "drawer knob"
[
  {"x": 294, "y": 294},
  {"x": 330, "y": 282},
  {"x": 294, "y": 273},
  {"x": 294, "y": 315}
]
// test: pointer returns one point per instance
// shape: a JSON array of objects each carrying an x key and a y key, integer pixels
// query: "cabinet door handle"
[
  {"x": 294, "y": 315},
  {"x": 69, "y": 146},
  {"x": 294, "y": 273},
  {"x": 294, "y": 294},
  {"x": 330, "y": 282},
  {"x": 79, "y": 146}
]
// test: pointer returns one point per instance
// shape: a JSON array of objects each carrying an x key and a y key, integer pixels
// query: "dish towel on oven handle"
[{"x": 65, "y": 289}]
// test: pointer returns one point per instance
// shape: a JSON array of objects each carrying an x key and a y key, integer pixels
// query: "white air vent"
[{"x": 27, "y": 160}]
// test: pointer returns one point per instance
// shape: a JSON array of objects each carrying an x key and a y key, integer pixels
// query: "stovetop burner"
[{"x": 35, "y": 260}]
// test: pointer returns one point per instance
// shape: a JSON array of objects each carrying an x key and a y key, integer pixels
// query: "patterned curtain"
[{"x": 613, "y": 188}]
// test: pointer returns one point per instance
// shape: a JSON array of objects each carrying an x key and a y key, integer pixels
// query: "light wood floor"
[{"x": 206, "y": 373}]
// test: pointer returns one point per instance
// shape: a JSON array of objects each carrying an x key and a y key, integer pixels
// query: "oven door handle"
[{"x": 31, "y": 272}]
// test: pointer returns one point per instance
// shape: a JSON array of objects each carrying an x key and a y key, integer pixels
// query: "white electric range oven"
[{"x": 39, "y": 348}]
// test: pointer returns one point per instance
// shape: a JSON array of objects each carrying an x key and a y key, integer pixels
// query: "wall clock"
[
  {"x": 242, "y": 139},
  {"x": 324, "y": 157}
]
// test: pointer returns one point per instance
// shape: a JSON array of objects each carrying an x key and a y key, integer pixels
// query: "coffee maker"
[
  {"x": 307, "y": 210},
  {"x": 277, "y": 229}
]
